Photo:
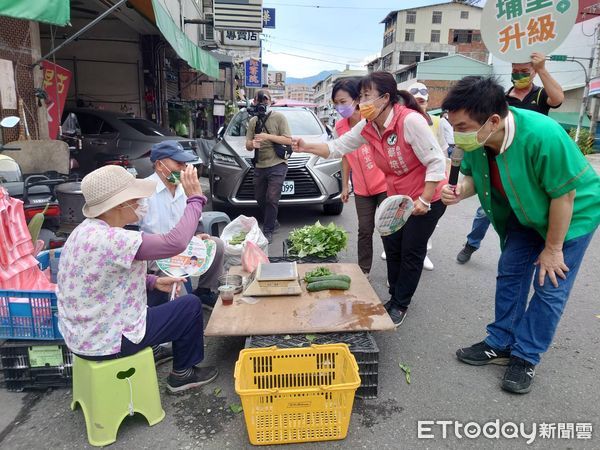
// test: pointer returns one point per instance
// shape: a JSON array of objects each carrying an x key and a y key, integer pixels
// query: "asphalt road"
[{"x": 450, "y": 309}]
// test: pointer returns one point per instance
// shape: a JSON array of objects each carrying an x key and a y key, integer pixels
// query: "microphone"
[{"x": 455, "y": 160}]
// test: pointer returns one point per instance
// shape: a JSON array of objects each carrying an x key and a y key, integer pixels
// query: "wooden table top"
[{"x": 330, "y": 311}]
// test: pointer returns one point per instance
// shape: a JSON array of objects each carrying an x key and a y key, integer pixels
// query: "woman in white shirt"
[{"x": 406, "y": 150}]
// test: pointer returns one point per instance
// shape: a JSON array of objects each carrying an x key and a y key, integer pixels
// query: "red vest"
[
  {"x": 367, "y": 179},
  {"x": 395, "y": 157}
]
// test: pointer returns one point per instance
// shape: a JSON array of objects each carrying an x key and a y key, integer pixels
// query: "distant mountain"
[{"x": 312, "y": 79}]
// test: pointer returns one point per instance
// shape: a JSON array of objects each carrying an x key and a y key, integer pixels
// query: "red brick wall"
[
  {"x": 475, "y": 50},
  {"x": 437, "y": 92},
  {"x": 15, "y": 45}
]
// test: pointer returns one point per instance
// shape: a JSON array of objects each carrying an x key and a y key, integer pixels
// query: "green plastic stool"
[{"x": 109, "y": 391}]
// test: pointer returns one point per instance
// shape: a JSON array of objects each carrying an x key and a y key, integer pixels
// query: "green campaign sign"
[{"x": 513, "y": 29}]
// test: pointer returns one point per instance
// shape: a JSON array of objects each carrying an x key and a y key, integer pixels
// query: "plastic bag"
[
  {"x": 252, "y": 257},
  {"x": 233, "y": 252}
]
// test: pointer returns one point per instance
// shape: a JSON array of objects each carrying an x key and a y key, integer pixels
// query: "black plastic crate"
[
  {"x": 35, "y": 365},
  {"x": 307, "y": 259},
  {"x": 361, "y": 344}
]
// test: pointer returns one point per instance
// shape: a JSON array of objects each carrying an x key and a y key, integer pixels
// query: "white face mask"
[{"x": 140, "y": 210}]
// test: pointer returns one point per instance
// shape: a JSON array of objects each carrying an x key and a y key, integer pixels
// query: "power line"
[
  {"x": 330, "y": 7},
  {"x": 308, "y": 57},
  {"x": 308, "y": 50},
  {"x": 317, "y": 43}
]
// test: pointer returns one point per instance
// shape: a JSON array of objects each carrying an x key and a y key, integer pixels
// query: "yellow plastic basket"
[{"x": 298, "y": 394}]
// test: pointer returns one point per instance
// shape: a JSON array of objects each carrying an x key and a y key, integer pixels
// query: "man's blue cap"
[{"x": 171, "y": 149}]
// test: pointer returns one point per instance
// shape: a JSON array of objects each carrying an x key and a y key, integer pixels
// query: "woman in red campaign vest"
[
  {"x": 407, "y": 152},
  {"x": 368, "y": 182}
]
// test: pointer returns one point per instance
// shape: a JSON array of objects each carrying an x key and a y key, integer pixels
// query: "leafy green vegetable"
[
  {"x": 235, "y": 408},
  {"x": 406, "y": 369},
  {"x": 217, "y": 391},
  {"x": 310, "y": 337},
  {"x": 35, "y": 224},
  {"x": 318, "y": 272},
  {"x": 318, "y": 240},
  {"x": 238, "y": 238}
]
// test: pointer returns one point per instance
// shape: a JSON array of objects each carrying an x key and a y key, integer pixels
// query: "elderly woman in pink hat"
[{"x": 102, "y": 280}]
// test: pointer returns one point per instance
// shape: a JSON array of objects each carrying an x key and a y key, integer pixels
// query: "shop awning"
[
  {"x": 55, "y": 12},
  {"x": 196, "y": 57}
]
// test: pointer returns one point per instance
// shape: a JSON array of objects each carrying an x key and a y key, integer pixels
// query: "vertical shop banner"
[
  {"x": 56, "y": 85},
  {"x": 513, "y": 29},
  {"x": 253, "y": 73},
  {"x": 268, "y": 17}
]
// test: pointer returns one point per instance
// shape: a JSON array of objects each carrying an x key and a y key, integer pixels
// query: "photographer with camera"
[{"x": 268, "y": 136}]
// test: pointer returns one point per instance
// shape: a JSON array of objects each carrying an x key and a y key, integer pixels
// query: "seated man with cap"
[{"x": 165, "y": 208}]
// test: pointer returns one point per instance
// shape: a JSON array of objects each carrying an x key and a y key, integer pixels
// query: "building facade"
[
  {"x": 440, "y": 74},
  {"x": 415, "y": 35},
  {"x": 323, "y": 90},
  {"x": 301, "y": 93}
]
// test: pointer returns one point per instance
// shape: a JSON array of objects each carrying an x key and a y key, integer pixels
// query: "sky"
[{"x": 337, "y": 33}]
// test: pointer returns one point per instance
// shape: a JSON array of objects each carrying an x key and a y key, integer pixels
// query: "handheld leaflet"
[
  {"x": 393, "y": 213},
  {"x": 194, "y": 261}
]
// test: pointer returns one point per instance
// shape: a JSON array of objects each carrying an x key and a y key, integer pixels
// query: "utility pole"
[{"x": 595, "y": 73}]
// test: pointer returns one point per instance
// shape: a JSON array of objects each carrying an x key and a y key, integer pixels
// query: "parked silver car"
[{"x": 310, "y": 180}]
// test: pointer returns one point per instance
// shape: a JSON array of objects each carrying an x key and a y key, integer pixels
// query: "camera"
[
  {"x": 257, "y": 110},
  {"x": 260, "y": 109}
]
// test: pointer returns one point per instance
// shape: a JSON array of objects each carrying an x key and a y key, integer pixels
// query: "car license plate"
[
  {"x": 287, "y": 188},
  {"x": 132, "y": 171}
]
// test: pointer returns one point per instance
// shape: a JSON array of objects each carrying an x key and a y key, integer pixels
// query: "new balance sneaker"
[
  {"x": 397, "y": 314},
  {"x": 198, "y": 376},
  {"x": 481, "y": 354},
  {"x": 465, "y": 254},
  {"x": 518, "y": 376}
]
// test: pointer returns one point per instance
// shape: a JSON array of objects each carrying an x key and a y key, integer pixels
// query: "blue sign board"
[
  {"x": 253, "y": 73},
  {"x": 268, "y": 17}
]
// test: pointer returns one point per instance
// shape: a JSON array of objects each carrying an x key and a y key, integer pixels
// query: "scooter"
[{"x": 36, "y": 191}]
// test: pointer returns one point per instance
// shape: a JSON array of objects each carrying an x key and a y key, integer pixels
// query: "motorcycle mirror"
[{"x": 9, "y": 122}]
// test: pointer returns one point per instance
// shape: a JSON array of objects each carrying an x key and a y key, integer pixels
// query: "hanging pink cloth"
[{"x": 18, "y": 268}]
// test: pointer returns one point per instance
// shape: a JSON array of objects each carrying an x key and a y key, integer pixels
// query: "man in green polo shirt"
[{"x": 543, "y": 198}]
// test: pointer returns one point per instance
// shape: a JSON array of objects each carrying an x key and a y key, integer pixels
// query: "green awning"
[
  {"x": 196, "y": 57},
  {"x": 55, "y": 12},
  {"x": 569, "y": 119}
]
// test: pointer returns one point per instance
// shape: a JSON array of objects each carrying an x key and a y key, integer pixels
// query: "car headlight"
[{"x": 225, "y": 160}]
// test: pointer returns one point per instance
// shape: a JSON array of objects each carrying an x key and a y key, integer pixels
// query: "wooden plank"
[{"x": 357, "y": 309}]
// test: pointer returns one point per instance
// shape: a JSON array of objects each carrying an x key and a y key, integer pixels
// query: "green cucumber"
[
  {"x": 331, "y": 277},
  {"x": 328, "y": 284}
]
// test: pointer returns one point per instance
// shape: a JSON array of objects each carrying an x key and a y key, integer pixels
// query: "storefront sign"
[
  {"x": 253, "y": 73},
  {"x": 268, "y": 17},
  {"x": 56, "y": 85},
  {"x": 241, "y": 38},
  {"x": 513, "y": 29}
]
